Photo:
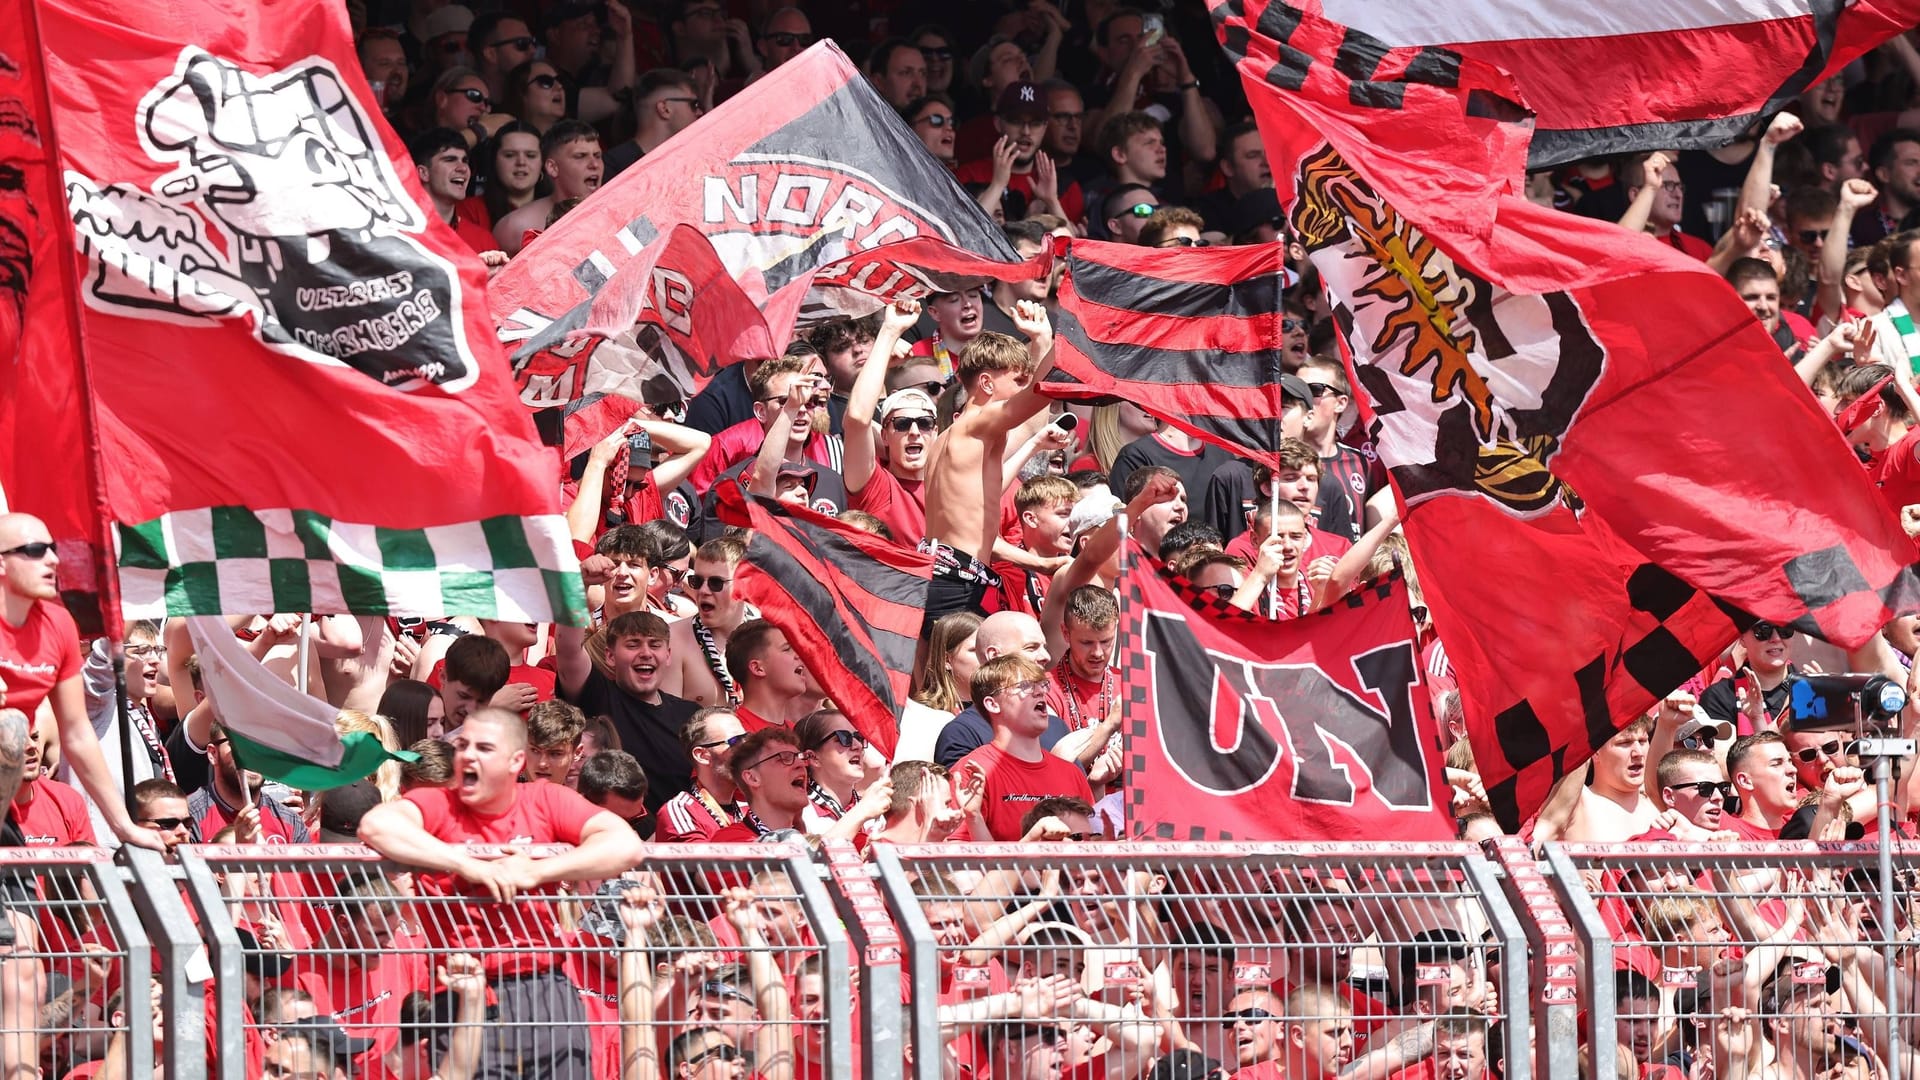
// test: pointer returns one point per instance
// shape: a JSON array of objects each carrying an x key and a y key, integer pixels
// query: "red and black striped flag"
[
  {"x": 1190, "y": 335},
  {"x": 1567, "y": 411},
  {"x": 850, "y": 603}
]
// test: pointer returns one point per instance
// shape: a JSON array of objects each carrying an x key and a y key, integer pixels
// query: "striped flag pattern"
[
  {"x": 1190, "y": 335},
  {"x": 850, "y": 603}
]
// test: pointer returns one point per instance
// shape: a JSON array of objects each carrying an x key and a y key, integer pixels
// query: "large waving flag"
[
  {"x": 300, "y": 404},
  {"x": 793, "y": 175},
  {"x": 1191, "y": 336},
  {"x": 850, "y": 603},
  {"x": 1240, "y": 728},
  {"x": 1610, "y": 78},
  {"x": 1567, "y": 411}
]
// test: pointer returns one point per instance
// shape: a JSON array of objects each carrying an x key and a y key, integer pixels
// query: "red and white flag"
[
  {"x": 1567, "y": 411},
  {"x": 298, "y": 400}
]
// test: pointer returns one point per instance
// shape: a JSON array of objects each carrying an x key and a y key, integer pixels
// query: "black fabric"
[
  {"x": 1195, "y": 469},
  {"x": 1229, "y": 495},
  {"x": 651, "y": 733},
  {"x": 536, "y": 1027}
]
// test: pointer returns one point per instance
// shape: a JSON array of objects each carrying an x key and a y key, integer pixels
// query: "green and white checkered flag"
[{"x": 231, "y": 560}]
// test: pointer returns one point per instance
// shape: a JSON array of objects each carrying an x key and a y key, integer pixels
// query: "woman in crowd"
[
  {"x": 508, "y": 167},
  {"x": 841, "y": 770},
  {"x": 535, "y": 96}
]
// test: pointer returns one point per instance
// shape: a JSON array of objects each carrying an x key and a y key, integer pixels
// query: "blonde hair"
[
  {"x": 1104, "y": 437},
  {"x": 387, "y": 776}
]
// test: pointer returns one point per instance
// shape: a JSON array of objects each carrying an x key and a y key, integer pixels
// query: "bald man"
[
  {"x": 40, "y": 661},
  {"x": 1003, "y": 633}
]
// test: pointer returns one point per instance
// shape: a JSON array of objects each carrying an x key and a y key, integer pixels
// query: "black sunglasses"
[
  {"x": 1707, "y": 789},
  {"x": 734, "y": 741},
  {"x": 1766, "y": 632},
  {"x": 36, "y": 550},
  {"x": 167, "y": 822},
  {"x": 1826, "y": 749},
  {"x": 712, "y": 584},
  {"x": 693, "y": 103},
  {"x": 516, "y": 42},
  {"x": 938, "y": 120},
  {"x": 1183, "y": 241},
  {"x": 787, "y": 41},
  {"x": 1812, "y": 236},
  {"x": 544, "y": 82},
  {"x": 848, "y": 740},
  {"x": 940, "y": 53},
  {"x": 1290, "y": 324},
  {"x": 1320, "y": 389},
  {"x": 721, "y": 1052},
  {"x": 1138, "y": 210},
  {"x": 1251, "y": 1016},
  {"x": 905, "y": 424},
  {"x": 478, "y": 97}
]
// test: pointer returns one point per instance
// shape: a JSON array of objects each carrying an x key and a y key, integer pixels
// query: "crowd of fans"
[{"x": 682, "y": 716}]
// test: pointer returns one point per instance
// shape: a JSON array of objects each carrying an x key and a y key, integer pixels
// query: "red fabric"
[
  {"x": 1746, "y": 829},
  {"x": 38, "y": 655},
  {"x": 1591, "y": 617},
  {"x": 1224, "y": 688},
  {"x": 736, "y": 444},
  {"x": 56, "y": 817},
  {"x": 379, "y": 345},
  {"x": 476, "y": 234},
  {"x": 599, "y": 987},
  {"x": 751, "y": 721},
  {"x": 1688, "y": 245},
  {"x": 981, "y": 172},
  {"x": 1319, "y": 542},
  {"x": 541, "y": 679},
  {"x": 363, "y": 994},
  {"x": 901, "y": 504},
  {"x": 540, "y": 814},
  {"x": 1899, "y": 476},
  {"x": 1013, "y": 786}
]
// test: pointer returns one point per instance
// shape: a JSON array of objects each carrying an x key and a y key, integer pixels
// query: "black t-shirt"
[
  {"x": 189, "y": 765},
  {"x": 651, "y": 733},
  {"x": 722, "y": 403},
  {"x": 829, "y": 494},
  {"x": 1195, "y": 468},
  {"x": 1708, "y": 180},
  {"x": 1721, "y": 700},
  {"x": 1343, "y": 493},
  {"x": 1230, "y": 494}
]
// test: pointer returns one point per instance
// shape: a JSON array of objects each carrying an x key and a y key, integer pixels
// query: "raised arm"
[
  {"x": 763, "y": 479},
  {"x": 684, "y": 446},
  {"x": 1757, "y": 192},
  {"x": 1653, "y": 172},
  {"x": 1855, "y": 195},
  {"x": 1001, "y": 417},
  {"x": 464, "y": 977},
  {"x": 863, "y": 398},
  {"x": 583, "y": 516}
]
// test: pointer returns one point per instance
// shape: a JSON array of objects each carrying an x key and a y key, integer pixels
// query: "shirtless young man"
[
  {"x": 966, "y": 468},
  {"x": 699, "y": 672}
]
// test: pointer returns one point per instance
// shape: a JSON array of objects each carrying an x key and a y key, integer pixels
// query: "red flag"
[
  {"x": 1191, "y": 336},
  {"x": 850, "y": 603},
  {"x": 1316, "y": 728},
  {"x": 1566, "y": 410},
  {"x": 302, "y": 406},
  {"x": 803, "y": 168},
  {"x": 1610, "y": 78}
]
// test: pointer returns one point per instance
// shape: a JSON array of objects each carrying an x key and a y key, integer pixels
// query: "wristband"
[
  {"x": 1194, "y": 85},
  {"x": 582, "y": 550}
]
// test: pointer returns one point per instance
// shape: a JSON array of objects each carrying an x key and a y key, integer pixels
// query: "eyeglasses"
[
  {"x": 517, "y": 42},
  {"x": 166, "y": 822},
  {"x": 1250, "y": 1016},
  {"x": 1767, "y": 631},
  {"x": 904, "y": 424},
  {"x": 936, "y": 53},
  {"x": 707, "y": 584},
  {"x": 146, "y": 652},
  {"x": 478, "y": 97},
  {"x": 1022, "y": 689},
  {"x": 703, "y": 13},
  {"x": 1223, "y": 590},
  {"x": 1707, "y": 789},
  {"x": 693, "y": 103},
  {"x": 1320, "y": 389},
  {"x": 544, "y": 82},
  {"x": 1079, "y": 837},
  {"x": 935, "y": 120},
  {"x": 788, "y": 41},
  {"x": 719, "y": 989},
  {"x": 787, "y": 759},
  {"x": 1812, "y": 236},
  {"x": 718, "y": 1051},
  {"x": 847, "y": 740},
  {"x": 1291, "y": 325},
  {"x": 1826, "y": 749},
  {"x": 934, "y": 387},
  {"x": 1066, "y": 117},
  {"x": 1138, "y": 210},
  {"x": 1182, "y": 241},
  {"x": 674, "y": 573},
  {"x": 1675, "y": 186},
  {"x": 36, "y": 550},
  {"x": 733, "y": 741}
]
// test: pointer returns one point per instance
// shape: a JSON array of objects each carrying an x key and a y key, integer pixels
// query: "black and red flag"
[
  {"x": 793, "y": 175},
  {"x": 850, "y": 603},
  {"x": 1190, "y": 335},
  {"x": 1567, "y": 411},
  {"x": 1610, "y": 78},
  {"x": 1239, "y": 728}
]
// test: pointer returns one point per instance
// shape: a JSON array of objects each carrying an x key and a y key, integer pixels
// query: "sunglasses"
[
  {"x": 544, "y": 82},
  {"x": 1812, "y": 236},
  {"x": 167, "y": 822},
  {"x": 1251, "y": 1016},
  {"x": 935, "y": 53},
  {"x": 516, "y": 42},
  {"x": 693, "y": 103},
  {"x": 1768, "y": 631},
  {"x": 1696, "y": 742},
  {"x": 478, "y": 97},
  {"x": 1079, "y": 837},
  {"x": 1707, "y": 789},
  {"x": 1138, "y": 210},
  {"x": 1826, "y": 749},
  {"x": 36, "y": 550},
  {"x": 1223, "y": 590},
  {"x": 733, "y": 741},
  {"x": 848, "y": 740},
  {"x": 905, "y": 424},
  {"x": 937, "y": 120},
  {"x": 934, "y": 388},
  {"x": 707, "y": 584},
  {"x": 787, "y": 41},
  {"x": 146, "y": 652},
  {"x": 725, "y": 990},
  {"x": 719, "y": 1052},
  {"x": 1320, "y": 389},
  {"x": 1182, "y": 241},
  {"x": 787, "y": 759},
  {"x": 1291, "y": 325}
]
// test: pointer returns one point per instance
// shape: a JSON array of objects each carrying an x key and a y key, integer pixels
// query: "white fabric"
[
  {"x": 1515, "y": 20},
  {"x": 251, "y": 702}
]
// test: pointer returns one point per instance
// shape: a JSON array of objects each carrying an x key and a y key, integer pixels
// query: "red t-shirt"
[
  {"x": 599, "y": 987},
  {"x": 1899, "y": 475},
  {"x": 56, "y": 817},
  {"x": 1748, "y": 830},
  {"x": 38, "y": 655},
  {"x": 1260, "y": 1070},
  {"x": 1691, "y": 245},
  {"x": 741, "y": 441},
  {"x": 1013, "y": 786},
  {"x": 541, "y": 679},
  {"x": 364, "y": 998},
  {"x": 477, "y": 236},
  {"x": 540, "y": 814},
  {"x": 1082, "y": 703},
  {"x": 751, "y": 721},
  {"x": 902, "y": 504},
  {"x": 1319, "y": 542},
  {"x": 737, "y": 833}
]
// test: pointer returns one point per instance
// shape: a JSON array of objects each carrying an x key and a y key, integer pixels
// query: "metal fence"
[
  {"x": 1782, "y": 958},
  {"x": 1320, "y": 959}
]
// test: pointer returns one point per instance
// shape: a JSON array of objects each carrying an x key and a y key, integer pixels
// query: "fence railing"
[{"x": 1000, "y": 959}]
